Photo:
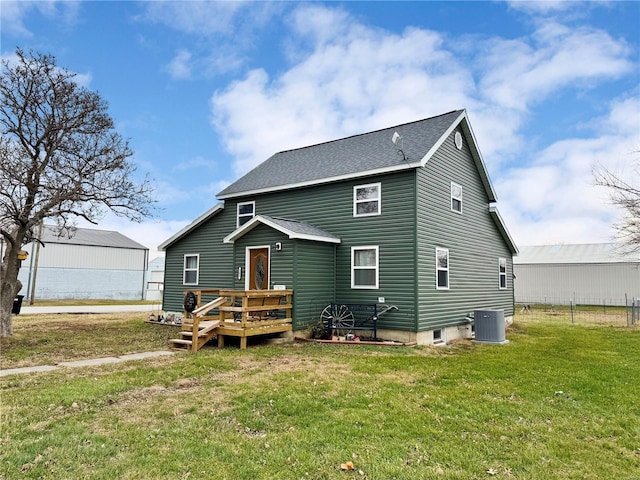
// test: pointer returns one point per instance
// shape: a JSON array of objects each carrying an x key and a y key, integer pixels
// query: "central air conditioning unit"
[{"x": 490, "y": 326}]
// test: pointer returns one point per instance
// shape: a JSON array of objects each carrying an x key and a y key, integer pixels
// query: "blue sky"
[{"x": 205, "y": 91}]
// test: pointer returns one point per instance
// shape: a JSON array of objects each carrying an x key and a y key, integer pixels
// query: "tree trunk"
[{"x": 9, "y": 287}]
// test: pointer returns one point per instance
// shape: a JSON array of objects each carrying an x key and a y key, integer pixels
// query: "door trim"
[{"x": 247, "y": 264}]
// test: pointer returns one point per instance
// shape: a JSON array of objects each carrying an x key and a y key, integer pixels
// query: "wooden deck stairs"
[
  {"x": 200, "y": 330},
  {"x": 240, "y": 313}
]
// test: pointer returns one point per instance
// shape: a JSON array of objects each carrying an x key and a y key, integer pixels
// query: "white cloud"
[
  {"x": 14, "y": 13},
  {"x": 520, "y": 72},
  {"x": 179, "y": 67},
  {"x": 361, "y": 80},
  {"x": 555, "y": 199},
  {"x": 348, "y": 78},
  {"x": 195, "y": 18}
]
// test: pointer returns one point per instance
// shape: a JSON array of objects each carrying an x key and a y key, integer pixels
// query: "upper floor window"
[
  {"x": 364, "y": 267},
  {"x": 442, "y": 268},
  {"x": 246, "y": 211},
  {"x": 502, "y": 273},
  {"x": 191, "y": 269},
  {"x": 367, "y": 200},
  {"x": 456, "y": 197}
]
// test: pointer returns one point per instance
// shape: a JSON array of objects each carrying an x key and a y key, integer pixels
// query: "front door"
[{"x": 258, "y": 274}]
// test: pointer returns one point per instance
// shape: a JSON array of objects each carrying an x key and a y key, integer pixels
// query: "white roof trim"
[
  {"x": 320, "y": 181},
  {"x": 201, "y": 219},
  {"x": 493, "y": 211},
  {"x": 251, "y": 224},
  {"x": 441, "y": 140},
  {"x": 473, "y": 146}
]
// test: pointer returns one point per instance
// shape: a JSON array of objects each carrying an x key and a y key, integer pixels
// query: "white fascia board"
[
  {"x": 201, "y": 219},
  {"x": 315, "y": 238},
  {"x": 320, "y": 181},
  {"x": 497, "y": 218},
  {"x": 239, "y": 232},
  {"x": 441, "y": 140},
  {"x": 475, "y": 152},
  {"x": 295, "y": 235},
  {"x": 250, "y": 225}
]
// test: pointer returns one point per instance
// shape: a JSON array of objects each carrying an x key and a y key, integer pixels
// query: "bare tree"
[
  {"x": 60, "y": 159},
  {"x": 627, "y": 196}
]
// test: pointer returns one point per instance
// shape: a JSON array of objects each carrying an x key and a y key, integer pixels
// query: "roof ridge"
[{"x": 366, "y": 133}]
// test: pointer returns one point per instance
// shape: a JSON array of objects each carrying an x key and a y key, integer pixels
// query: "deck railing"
[{"x": 241, "y": 313}]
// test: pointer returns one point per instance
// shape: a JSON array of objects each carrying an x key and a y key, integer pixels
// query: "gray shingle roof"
[
  {"x": 301, "y": 229},
  {"x": 345, "y": 158},
  {"x": 91, "y": 237},
  {"x": 292, "y": 228}
]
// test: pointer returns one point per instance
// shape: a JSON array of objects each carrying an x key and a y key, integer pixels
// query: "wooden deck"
[{"x": 234, "y": 313}]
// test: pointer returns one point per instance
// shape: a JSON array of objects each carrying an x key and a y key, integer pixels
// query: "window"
[
  {"x": 502, "y": 273},
  {"x": 246, "y": 211},
  {"x": 364, "y": 267},
  {"x": 437, "y": 336},
  {"x": 442, "y": 268},
  {"x": 191, "y": 269},
  {"x": 456, "y": 197},
  {"x": 366, "y": 200}
]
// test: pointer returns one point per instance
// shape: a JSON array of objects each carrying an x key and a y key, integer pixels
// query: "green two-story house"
[{"x": 402, "y": 216}]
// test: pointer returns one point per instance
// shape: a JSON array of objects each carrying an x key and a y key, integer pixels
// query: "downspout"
[
  {"x": 335, "y": 264},
  {"x": 416, "y": 288}
]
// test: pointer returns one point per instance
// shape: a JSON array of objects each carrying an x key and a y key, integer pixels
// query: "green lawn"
[{"x": 557, "y": 402}]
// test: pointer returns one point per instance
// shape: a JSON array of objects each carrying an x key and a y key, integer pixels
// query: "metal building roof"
[
  {"x": 91, "y": 237},
  {"x": 574, "y": 253}
]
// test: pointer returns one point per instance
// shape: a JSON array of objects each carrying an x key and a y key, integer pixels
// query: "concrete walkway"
[
  {"x": 150, "y": 307},
  {"x": 86, "y": 363}
]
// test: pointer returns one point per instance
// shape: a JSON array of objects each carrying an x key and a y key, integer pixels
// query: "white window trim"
[
  {"x": 448, "y": 269},
  {"x": 253, "y": 203},
  {"x": 376, "y": 268},
  {"x": 456, "y": 198},
  {"x": 501, "y": 274},
  {"x": 356, "y": 202},
  {"x": 184, "y": 268}
]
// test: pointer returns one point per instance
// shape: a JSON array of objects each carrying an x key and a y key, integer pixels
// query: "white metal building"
[
  {"x": 89, "y": 264},
  {"x": 155, "y": 279},
  {"x": 588, "y": 274}
]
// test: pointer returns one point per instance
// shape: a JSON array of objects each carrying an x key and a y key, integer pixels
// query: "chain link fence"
[{"x": 568, "y": 312}]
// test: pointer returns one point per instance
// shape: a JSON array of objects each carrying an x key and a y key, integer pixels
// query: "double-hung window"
[
  {"x": 502, "y": 273},
  {"x": 367, "y": 200},
  {"x": 364, "y": 267},
  {"x": 456, "y": 197},
  {"x": 191, "y": 269},
  {"x": 246, "y": 211},
  {"x": 442, "y": 268}
]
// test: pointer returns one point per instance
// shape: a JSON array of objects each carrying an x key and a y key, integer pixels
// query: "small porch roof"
[{"x": 294, "y": 229}]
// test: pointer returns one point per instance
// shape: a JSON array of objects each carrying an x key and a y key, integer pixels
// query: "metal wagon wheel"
[{"x": 338, "y": 318}]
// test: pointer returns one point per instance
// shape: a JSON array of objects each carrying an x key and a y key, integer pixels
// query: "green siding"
[
  {"x": 216, "y": 267},
  {"x": 312, "y": 278},
  {"x": 416, "y": 217},
  {"x": 280, "y": 263},
  {"x": 473, "y": 240},
  {"x": 330, "y": 207}
]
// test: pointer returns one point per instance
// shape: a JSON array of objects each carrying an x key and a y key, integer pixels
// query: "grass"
[
  {"x": 557, "y": 402},
  {"x": 50, "y": 339},
  {"x": 82, "y": 302}
]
